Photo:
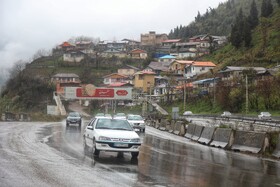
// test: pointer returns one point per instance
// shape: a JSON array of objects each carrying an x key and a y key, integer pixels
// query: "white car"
[
  {"x": 120, "y": 116},
  {"x": 137, "y": 122},
  {"x": 264, "y": 115},
  {"x": 187, "y": 113},
  {"x": 226, "y": 114},
  {"x": 114, "y": 135}
]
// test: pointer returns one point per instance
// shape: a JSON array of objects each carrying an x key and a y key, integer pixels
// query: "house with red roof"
[
  {"x": 62, "y": 80},
  {"x": 171, "y": 42},
  {"x": 65, "y": 46},
  {"x": 138, "y": 54}
]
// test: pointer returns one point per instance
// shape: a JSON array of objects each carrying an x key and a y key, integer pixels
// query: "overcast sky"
[{"x": 30, "y": 25}]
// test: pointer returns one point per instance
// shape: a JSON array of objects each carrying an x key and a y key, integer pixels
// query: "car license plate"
[
  {"x": 120, "y": 145},
  {"x": 136, "y": 130}
]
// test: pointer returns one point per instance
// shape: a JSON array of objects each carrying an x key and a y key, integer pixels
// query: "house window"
[{"x": 141, "y": 77}]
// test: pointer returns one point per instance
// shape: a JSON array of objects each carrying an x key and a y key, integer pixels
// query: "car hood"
[
  {"x": 136, "y": 121},
  {"x": 73, "y": 117},
  {"x": 116, "y": 133}
]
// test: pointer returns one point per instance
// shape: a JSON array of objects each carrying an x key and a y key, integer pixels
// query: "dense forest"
[{"x": 219, "y": 21}]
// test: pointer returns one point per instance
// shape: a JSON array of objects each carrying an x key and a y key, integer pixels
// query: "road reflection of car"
[
  {"x": 187, "y": 113},
  {"x": 120, "y": 116},
  {"x": 74, "y": 118},
  {"x": 137, "y": 122},
  {"x": 226, "y": 114},
  {"x": 114, "y": 135},
  {"x": 264, "y": 115}
]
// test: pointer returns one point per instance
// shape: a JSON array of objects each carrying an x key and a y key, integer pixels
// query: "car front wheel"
[
  {"x": 85, "y": 146},
  {"x": 94, "y": 150},
  {"x": 134, "y": 154}
]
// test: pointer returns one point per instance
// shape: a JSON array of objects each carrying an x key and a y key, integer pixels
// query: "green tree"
[
  {"x": 247, "y": 35},
  {"x": 278, "y": 2},
  {"x": 236, "y": 37},
  {"x": 267, "y": 8},
  {"x": 253, "y": 17}
]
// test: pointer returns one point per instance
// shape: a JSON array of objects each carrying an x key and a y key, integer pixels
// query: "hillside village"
[
  {"x": 173, "y": 66},
  {"x": 170, "y": 58}
]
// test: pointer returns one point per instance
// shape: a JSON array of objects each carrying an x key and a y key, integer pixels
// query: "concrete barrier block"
[
  {"x": 172, "y": 126},
  {"x": 206, "y": 135},
  {"x": 178, "y": 128},
  {"x": 148, "y": 122},
  {"x": 197, "y": 132},
  {"x": 163, "y": 125},
  {"x": 168, "y": 126},
  {"x": 249, "y": 141},
  {"x": 222, "y": 137},
  {"x": 190, "y": 131}
]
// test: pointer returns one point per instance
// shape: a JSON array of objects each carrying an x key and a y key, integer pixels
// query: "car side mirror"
[{"x": 90, "y": 127}]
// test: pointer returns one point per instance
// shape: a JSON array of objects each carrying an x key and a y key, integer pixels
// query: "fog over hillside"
[{"x": 4, "y": 74}]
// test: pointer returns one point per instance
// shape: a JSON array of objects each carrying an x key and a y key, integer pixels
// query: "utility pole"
[
  {"x": 247, "y": 95},
  {"x": 184, "y": 96},
  {"x": 214, "y": 92}
]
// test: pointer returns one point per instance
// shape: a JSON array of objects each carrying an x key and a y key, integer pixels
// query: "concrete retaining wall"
[
  {"x": 222, "y": 138},
  {"x": 249, "y": 141}
]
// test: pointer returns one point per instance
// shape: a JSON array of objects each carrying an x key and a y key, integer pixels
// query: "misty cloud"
[{"x": 30, "y": 25}]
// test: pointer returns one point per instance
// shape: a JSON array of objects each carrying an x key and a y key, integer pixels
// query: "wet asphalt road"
[{"x": 48, "y": 154}]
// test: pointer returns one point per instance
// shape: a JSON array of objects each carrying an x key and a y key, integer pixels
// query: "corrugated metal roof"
[
  {"x": 66, "y": 75},
  {"x": 208, "y": 64},
  {"x": 167, "y": 57}
]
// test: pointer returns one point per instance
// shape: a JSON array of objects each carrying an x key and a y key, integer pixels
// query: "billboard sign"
[{"x": 91, "y": 92}]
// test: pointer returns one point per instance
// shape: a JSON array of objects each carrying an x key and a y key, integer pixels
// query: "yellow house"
[{"x": 144, "y": 80}]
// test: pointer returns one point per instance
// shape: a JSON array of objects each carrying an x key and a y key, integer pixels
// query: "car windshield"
[
  {"x": 266, "y": 113},
  {"x": 134, "y": 118},
  {"x": 113, "y": 124},
  {"x": 74, "y": 114}
]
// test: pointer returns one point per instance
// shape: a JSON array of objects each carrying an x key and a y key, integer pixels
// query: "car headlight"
[
  {"x": 135, "y": 140},
  {"x": 104, "y": 138}
]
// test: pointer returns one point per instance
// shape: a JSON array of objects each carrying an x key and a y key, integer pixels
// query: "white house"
[
  {"x": 197, "y": 68},
  {"x": 73, "y": 56}
]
